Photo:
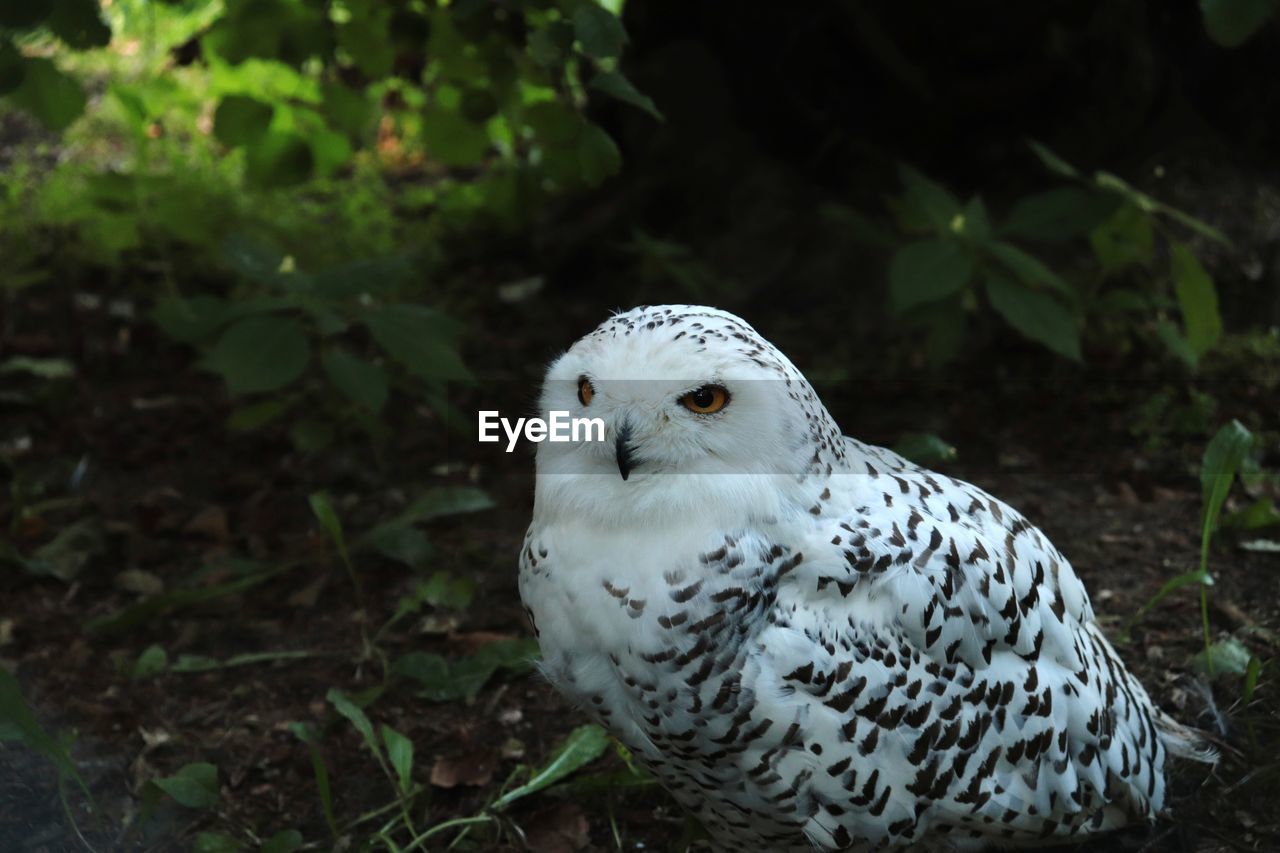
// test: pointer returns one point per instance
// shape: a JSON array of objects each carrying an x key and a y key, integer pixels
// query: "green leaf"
[
  {"x": 192, "y": 320},
  {"x": 215, "y": 842},
  {"x": 53, "y": 97},
  {"x": 347, "y": 110},
  {"x": 554, "y": 123},
  {"x": 974, "y": 225},
  {"x": 1229, "y": 656},
  {"x": 311, "y": 435},
  {"x": 330, "y": 151},
  {"x": 241, "y": 120},
  {"x": 1028, "y": 268},
  {"x": 260, "y": 353},
  {"x": 194, "y": 786},
  {"x": 1058, "y": 215},
  {"x": 439, "y": 680},
  {"x": 478, "y": 105},
  {"x": 1197, "y": 299},
  {"x": 324, "y": 512},
  {"x": 1036, "y": 315},
  {"x": 453, "y": 140},
  {"x": 1149, "y": 205},
  {"x": 366, "y": 37},
  {"x": 1218, "y": 468},
  {"x": 1251, "y": 673},
  {"x": 446, "y": 500},
  {"x": 598, "y": 31},
  {"x": 925, "y": 272},
  {"x": 1173, "y": 340},
  {"x": 930, "y": 199},
  {"x": 400, "y": 542},
  {"x": 400, "y": 753},
  {"x": 257, "y": 415},
  {"x": 598, "y": 155},
  {"x": 1260, "y": 513},
  {"x": 79, "y": 24},
  {"x": 285, "y": 841},
  {"x": 344, "y": 706},
  {"x": 1231, "y": 23},
  {"x": 1195, "y": 576},
  {"x": 1052, "y": 161},
  {"x": 442, "y": 590},
  {"x": 612, "y": 83},
  {"x": 380, "y": 275},
  {"x": 924, "y": 448},
  {"x": 1123, "y": 239},
  {"x": 278, "y": 160},
  {"x": 583, "y": 746},
  {"x": 429, "y": 670},
  {"x": 364, "y": 384},
  {"x": 18, "y": 723},
  {"x": 418, "y": 338},
  {"x": 320, "y": 770},
  {"x": 152, "y": 661},
  {"x": 548, "y": 45}
]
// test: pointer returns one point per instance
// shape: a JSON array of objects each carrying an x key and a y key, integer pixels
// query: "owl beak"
[{"x": 622, "y": 449}]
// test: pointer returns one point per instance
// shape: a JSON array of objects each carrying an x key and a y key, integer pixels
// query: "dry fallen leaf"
[
  {"x": 474, "y": 768},
  {"x": 471, "y": 642},
  {"x": 153, "y": 738},
  {"x": 139, "y": 582},
  {"x": 210, "y": 522},
  {"x": 563, "y": 829},
  {"x": 513, "y": 749},
  {"x": 306, "y": 597}
]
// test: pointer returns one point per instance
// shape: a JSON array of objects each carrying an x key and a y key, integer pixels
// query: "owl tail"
[{"x": 1184, "y": 741}]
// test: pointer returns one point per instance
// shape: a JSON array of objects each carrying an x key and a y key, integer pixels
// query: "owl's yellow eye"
[
  {"x": 585, "y": 391},
  {"x": 706, "y": 400}
]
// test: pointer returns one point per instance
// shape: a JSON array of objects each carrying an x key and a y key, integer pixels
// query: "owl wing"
[
  {"x": 966, "y": 576},
  {"x": 978, "y": 683}
]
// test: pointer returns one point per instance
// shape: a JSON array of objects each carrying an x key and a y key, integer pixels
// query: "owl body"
[{"x": 815, "y": 644}]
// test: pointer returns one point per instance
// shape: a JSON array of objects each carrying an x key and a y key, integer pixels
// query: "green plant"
[
  {"x": 583, "y": 746},
  {"x": 1231, "y": 23},
  {"x": 329, "y": 131},
  {"x": 1223, "y": 459},
  {"x": 295, "y": 340},
  {"x": 960, "y": 259},
  {"x": 18, "y": 724}
]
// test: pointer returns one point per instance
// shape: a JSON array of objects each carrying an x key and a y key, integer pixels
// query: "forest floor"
[{"x": 134, "y": 449}]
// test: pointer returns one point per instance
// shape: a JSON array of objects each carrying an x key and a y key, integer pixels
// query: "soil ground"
[{"x": 171, "y": 492}]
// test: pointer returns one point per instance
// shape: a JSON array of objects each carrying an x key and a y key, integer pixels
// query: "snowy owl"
[{"x": 812, "y": 642}]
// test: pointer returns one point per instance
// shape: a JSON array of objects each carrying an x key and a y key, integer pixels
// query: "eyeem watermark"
[{"x": 560, "y": 427}]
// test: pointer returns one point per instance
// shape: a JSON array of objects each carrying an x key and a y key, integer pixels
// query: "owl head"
[{"x": 700, "y": 414}]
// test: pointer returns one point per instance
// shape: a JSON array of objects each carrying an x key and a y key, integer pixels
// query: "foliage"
[
  {"x": 18, "y": 724},
  {"x": 958, "y": 259},
  {"x": 289, "y": 120},
  {"x": 1223, "y": 459},
  {"x": 1231, "y": 23}
]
